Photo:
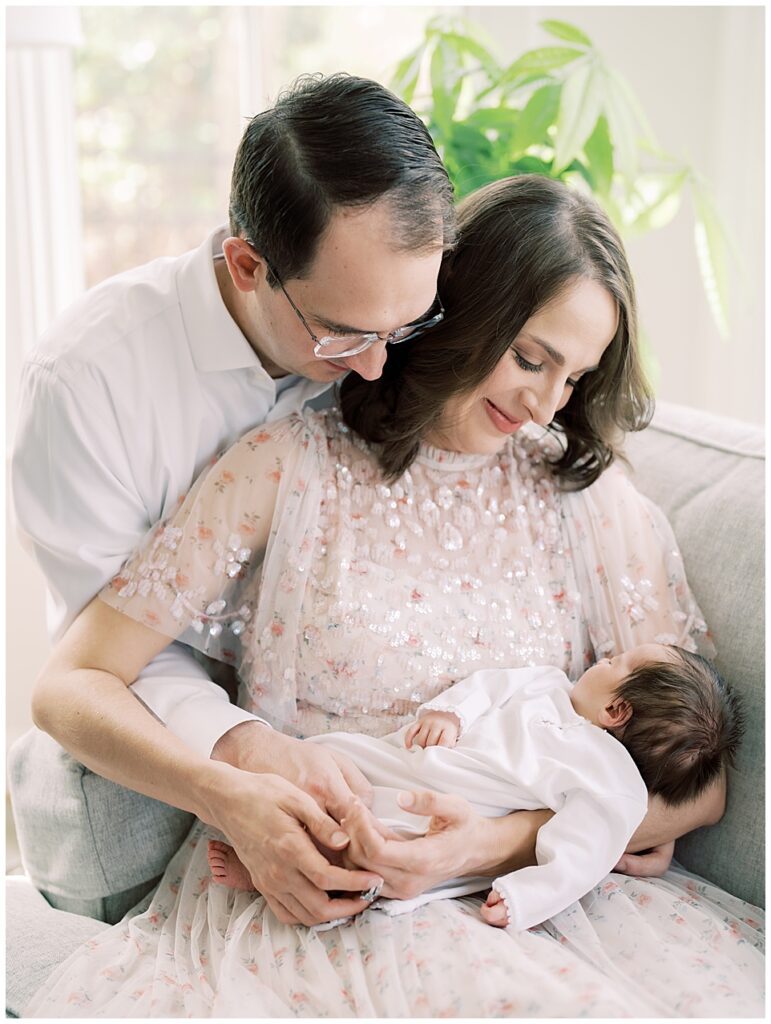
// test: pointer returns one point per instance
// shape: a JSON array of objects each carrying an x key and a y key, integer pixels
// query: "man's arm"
[
  {"x": 663, "y": 824},
  {"x": 78, "y": 513},
  {"x": 82, "y": 700}
]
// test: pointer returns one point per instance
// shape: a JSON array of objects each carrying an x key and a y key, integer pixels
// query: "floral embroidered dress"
[{"x": 367, "y": 600}]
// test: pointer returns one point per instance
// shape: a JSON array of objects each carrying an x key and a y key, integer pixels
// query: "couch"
[{"x": 707, "y": 473}]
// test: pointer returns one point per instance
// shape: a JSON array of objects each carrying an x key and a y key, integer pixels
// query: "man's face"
[{"x": 357, "y": 284}]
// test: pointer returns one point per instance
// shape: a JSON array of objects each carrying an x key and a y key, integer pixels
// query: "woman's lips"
[{"x": 500, "y": 420}]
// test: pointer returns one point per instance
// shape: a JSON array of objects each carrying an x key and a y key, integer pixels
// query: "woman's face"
[{"x": 535, "y": 378}]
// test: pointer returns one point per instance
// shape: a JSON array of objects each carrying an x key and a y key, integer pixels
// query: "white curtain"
[{"x": 43, "y": 225}]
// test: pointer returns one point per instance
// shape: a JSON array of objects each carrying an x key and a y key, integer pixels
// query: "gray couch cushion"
[{"x": 707, "y": 474}]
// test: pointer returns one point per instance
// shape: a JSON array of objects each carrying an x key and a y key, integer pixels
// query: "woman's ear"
[
  {"x": 245, "y": 264},
  {"x": 615, "y": 714}
]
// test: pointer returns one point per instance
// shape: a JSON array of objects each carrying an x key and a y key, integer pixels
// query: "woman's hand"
[{"x": 411, "y": 866}]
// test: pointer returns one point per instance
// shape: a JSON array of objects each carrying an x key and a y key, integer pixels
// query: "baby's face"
[{"x": 597, "y": 685}]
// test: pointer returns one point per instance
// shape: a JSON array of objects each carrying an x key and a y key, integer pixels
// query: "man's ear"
[
  {"x": 247, "y": 268},
  {"x": 615, "y": 714}
]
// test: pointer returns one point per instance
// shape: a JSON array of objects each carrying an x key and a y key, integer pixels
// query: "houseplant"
[{"x": 561, "y": 110}]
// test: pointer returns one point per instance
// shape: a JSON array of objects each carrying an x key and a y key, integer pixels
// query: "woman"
[{"x": 429, "y": 529}]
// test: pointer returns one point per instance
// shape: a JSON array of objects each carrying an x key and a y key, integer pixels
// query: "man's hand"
[
  {"x": 650, "y": 864},
  {"x": 288, "y": 786},
  {"x": 330, "y": 778},
  {"x": 265, "y": 817},
  {"x": 434, "y": 729},
  {"x": 411, "y": 866}
]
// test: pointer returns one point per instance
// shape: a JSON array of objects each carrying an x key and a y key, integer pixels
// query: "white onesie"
[{"x": 521, "y": 746}]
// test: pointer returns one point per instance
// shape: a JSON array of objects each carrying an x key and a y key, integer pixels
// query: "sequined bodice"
[
  {"x": 460, "y": 565},
  {"x": 346, "y": 601}
]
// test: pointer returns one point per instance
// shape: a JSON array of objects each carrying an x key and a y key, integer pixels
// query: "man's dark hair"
[
  {"x": 333, "y": 142},
  {"x": 685, "y": 727},
  {"x": 522, "y": 241}
]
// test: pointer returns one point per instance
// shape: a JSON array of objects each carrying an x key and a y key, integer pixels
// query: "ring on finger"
[{"x": 371, "y": 894}]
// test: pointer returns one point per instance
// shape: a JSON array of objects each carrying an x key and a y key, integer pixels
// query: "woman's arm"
[{"x": 459, "y": 842}]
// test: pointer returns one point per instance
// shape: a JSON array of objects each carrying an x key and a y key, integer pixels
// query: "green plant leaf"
[
  {"x": 469, "y": 139},
  {"x": 405, "y": 77},
  {"x": 599, "y": 156},
  {"x": 622, "y": 128},
  {"x": 531, "y": 165},
  {"x": 500, "y": 119},
  {"x": 544, "y": 59},
  {"x": 539, "y": 114},
  {"x": 522, "y": 82},
  {"x": 563, "y": 30},
  {"x": 446, "y": 83},
  {"x": 655, "y": 201},
  {"x": 467, "y": 45},
  {"x": 580, "y": 106},
  {"x": 626, "y": 95},
  {"x": 711, "y": 252}
]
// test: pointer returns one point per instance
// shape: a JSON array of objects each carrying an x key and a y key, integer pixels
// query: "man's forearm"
[
  {"x": 95, "y": 718},
  {"x": 508, "y": 843},
  {"x": 664, "y": 823}
]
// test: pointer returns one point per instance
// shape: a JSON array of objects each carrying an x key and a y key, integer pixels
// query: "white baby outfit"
[{"x": 522, "y": 746}]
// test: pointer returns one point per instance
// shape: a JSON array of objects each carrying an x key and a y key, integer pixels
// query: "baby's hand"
[
  {"x": 494, "y": 910},
  {"x": 434, "y": 729}
]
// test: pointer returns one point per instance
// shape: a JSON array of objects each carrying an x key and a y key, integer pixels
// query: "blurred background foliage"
[
  {"x": 564, "y": 111},
  {"x": 155, "y": 143}
]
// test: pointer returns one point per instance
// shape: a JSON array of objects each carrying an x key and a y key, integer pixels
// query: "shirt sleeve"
[
  {"x": 629, "y": 570},
  {"x": 574, "y": 850},
  {"x": 75, "y": 508},
  {"x": 77, "y": 514},
  {"x": 484, "y": 691}
]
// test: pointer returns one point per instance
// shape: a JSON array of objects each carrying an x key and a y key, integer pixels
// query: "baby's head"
[{"x": 672, "y": 711}]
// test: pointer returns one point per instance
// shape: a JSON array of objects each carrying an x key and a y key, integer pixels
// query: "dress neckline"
[{"x": 440, "y": 458}]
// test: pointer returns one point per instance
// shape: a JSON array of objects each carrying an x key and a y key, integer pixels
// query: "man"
[{"x": 340, "y": 210}]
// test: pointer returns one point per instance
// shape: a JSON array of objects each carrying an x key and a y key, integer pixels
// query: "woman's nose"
[
  {"x": 369, "y": 363},
  {"x": 543, "y": 403}
]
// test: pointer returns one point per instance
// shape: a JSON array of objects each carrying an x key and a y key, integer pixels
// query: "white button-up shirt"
[{"x": 128, "y": 396}]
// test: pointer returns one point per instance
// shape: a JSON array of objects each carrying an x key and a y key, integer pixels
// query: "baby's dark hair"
[{"x": 685, "y": 727}]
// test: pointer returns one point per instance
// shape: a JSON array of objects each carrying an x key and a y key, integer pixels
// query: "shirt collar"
[{"x": 216, "y": 342}]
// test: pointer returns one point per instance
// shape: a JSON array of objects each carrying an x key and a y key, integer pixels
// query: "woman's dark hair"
[
  {"x": 521, "y": 242},
  {"x": 331, "y": 142},
  {"x": 685, "y": 727}
]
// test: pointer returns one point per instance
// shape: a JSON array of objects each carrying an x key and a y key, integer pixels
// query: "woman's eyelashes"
[{"x": 526, "y": 365}]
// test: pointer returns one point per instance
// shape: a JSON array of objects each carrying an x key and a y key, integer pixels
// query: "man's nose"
[{"x": 369, "y": 363}]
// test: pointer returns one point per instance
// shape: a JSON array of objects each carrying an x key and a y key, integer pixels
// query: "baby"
[{"x": 655, "y": 719}]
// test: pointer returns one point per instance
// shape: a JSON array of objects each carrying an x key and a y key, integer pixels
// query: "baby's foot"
[{"x": 226, "y": 868}]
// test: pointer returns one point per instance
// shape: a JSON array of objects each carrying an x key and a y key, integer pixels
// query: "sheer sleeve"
[
  {"x": 219, "y": 574},
  {"x": 629, "y": 570}
]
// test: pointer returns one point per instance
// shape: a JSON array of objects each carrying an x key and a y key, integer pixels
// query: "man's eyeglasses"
[{"x": 330, "y": 347}]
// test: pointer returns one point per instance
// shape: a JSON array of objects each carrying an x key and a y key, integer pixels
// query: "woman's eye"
[
  {"x": 572, "y": 383},
  {"x": 525, "y": 365}
]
